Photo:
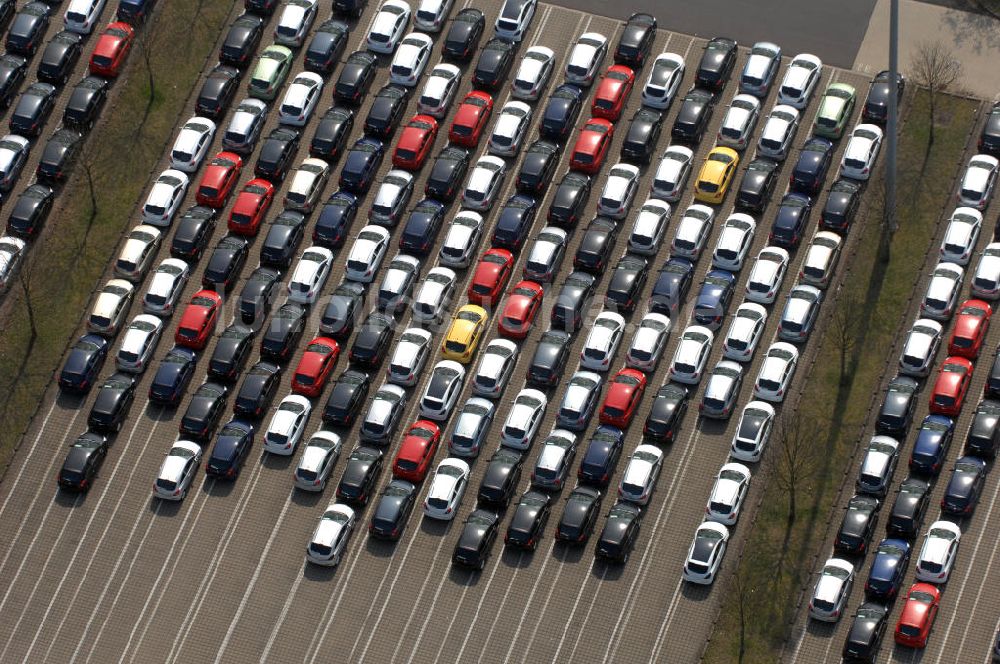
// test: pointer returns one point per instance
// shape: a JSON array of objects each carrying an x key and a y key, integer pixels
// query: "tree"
[
  {"x": 742, "y": 591},
  {"x": 146, "y": 48},
  {"x": 844, "y": 328},
  {"x": 935, "y": 68},
  {"x": 795, "y": 439}
]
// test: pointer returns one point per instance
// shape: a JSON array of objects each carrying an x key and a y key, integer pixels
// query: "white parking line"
[
  {"x": 572, "y": 612},
  {"x": 527, "y": 603},
  {"x": 322, "y": 628},
  {"x": 496, "y": 614},
  {"x": 427, "y": 618},
  {"x": 979, "y": 593},
  {"x": 454, "y": 614},
  {"x": 27, "y": 460},
  {"x": 416, "y": 603},
  {"x": 281, "y": 616},
  {"x": 545, "y": 607},
  {"x": 586, "y": 617}
]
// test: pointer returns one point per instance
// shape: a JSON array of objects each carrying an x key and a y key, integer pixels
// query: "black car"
[
  {"x": 569, "y": 199},
  {"x": 896, "y": 413},
  {"x": 31, "y": 209},
  {"x": 258, "y": 294},
  {"x": 790, "y": 221},
  {"x": 335, "y": 219},
  {"x": 262, "y": 7},
  {"x": 393, "y": 509},
  {"x": 908, "y": 510},
  {"x": 864, "y": 639},
  {"x": 331, "y": 133},
  {"x": 13, "y": 69},
  {"x": 636, "y": 40},
  {"x": 965, "y": 486},
  {"x": 694, "y": 115},
  {"x": 114, "y": 397},
  {"x": 59, "y": 57},
  {"x": 347, "y": 393},
  {"x": 228, "y": 258},
  {"x": 33, "y": 109},
  {"x": 992, "y": 387},
  {"x": 421, "y": 228},
  {"x": 277, "y": 153},
  {"x": 643, "y": 133},
  {"x": 602, "y": 454},
  {"x": 841, "y": 206},
  {"x": 242, "y": 40},
  {"x": 528, "y": 523},
  {"x": 716, "y": 64},
  {"x": 204, "y": 411},
  {"x": 257, "y": 390},
  {"x": 757, "y": 185},
  {"x": 361, "y": 164},
  {"x": 360, "y": 475},
  {"x": 283, "y": 332},
  {"x": 343, "y": 310},
  {"x": 355, "y": 77},
  {"x": 193, "y": 230},
  {"x": 666, "y": 413},
  {"x": 350, "y": 7},
  {"x": 579, "y": 516},
  {"x": 476, "y": 541},
  {"x": 503, "y": 472},
  {"x": 217, "y": 91},
  {"x": 549, "y": 361},
  {"x": 984, "y": 430},
  {"x": 231, "y": 449},
  {"x": 574, "y": 297},
  {"x": 231, "y": 352},
  {"x": 83, "y": 363},
  {"x": 386, "y": 111},
  {"x": 133, "y": 11},
  {"x": 82, "y": 462},
  {"x": 876, "y": 107},
  {"x": 857, "y": 526},
  {"x": 626, "y": 283},
  {"x": 561, "y": 112},
  {"x": 620, "y": 532},
  {"x": 989, "y": 139},
  {"x": 447, "y": 173},
  {"x": 172, "y": 376},
  {"x": 811, "y": 166},
  {"x": 7, "y": 8},
  {"x": 60, "y": 153},
  {"x": 372, "y": 341},
  {"x": 538, "y": 167},
  {"x": 514, "y": 222},
  {"x": 25, "y": 33},
  {"x": 494, "y": 64},
  {"x": 462, "y": 39},
  {"x": 283, "y": 238},
  {"x": 671, "y": 287},
  {"x": 327, "y": 45},
  {"x": 596, "y": 246}
]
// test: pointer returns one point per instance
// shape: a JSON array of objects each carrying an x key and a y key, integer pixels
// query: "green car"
[
  {"x": 271, "y": 70},
  {"x": 835, "y": 110}
]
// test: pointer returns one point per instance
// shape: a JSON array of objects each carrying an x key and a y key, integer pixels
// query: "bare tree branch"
[
  {"x": 795, "y": 438},
  {"x": 934, "y": 67}
]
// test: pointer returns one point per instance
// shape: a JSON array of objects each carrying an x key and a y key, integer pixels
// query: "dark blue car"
[
  {"x": 83, "y": 363},
  {"x": 422, "y": 226},
  {"x": 172, "y": 376},
  {"x": 933, "y": 441},
  {"x": 713, "y": 298},
  {"x": 790, "y": 221},
  {"x": 134, "y": 11},
  {"x": 812, "y": 165},
  {"x": 601, "y": 456},
  {"x": 232, "y": 446},
  {"x": 892, "y": 557},
  {"x": 514, "y": 222},
  {"x": 965, "y": 486},
  {"x": 671, "y": 286},
  {"x": 361, "y": 164},
  {"x": 335, "y": 219},
  {"x": 561, "y": 112}
]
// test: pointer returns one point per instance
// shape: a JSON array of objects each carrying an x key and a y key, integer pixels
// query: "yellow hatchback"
[
  {"x": 464, "y": 334},
  {"x": 716, "y": 175}
]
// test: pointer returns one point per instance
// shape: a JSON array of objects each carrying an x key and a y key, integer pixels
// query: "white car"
[
  {"x": 943, "y": 291},
  {"x": 446, "y": 489},
  {"x": 310, "y": 275},
  {"x": 514, "y": 18},
  {"x": 554, "y": 460},
  {"x": 800, "y": 312},
  {"x": 877, "y": 466},
  {"x": 390, "y": 201},
  {"x": 397, "y": 283},
  {"x": 177, "y": 471},
  {"x": 138, "y": 343},
  {"x": 11, "y": 253},
  {"x": 704, "y": 558},
  {"x": 14, "y": 151},
  {"x": 81, "y": 15},
  {"x": 734, "y": 242},
  {"x": 471, "y": 427},
  {"x": 165, "y": 197},
  {"x": 961, "y": 235},
  {"x": 649, "y": 227},
  {"x": 920, "y": 348},
  {"x": 862, "y": 151},
  {"x": 431, "y": 14},
  {"x": 986, "y": 282},
  {"x": 778, "y": 133},
  {"x": 138, "y": 253},
  {"x": 294, "y": 23},
  {"x": 245, "y": 126},
  {"x": 760, "y": 69},
  {"x": 665, "y": 77},
  {"x": 583, "y": 392},
  {"x": 767, "y": 274},
  {"x": 752, "y": 432},
  {"x": 388, "y": 26},
  {"x": 409, "y": 357},
  {"x": 191, "y": 145},
  {"x": 110, "y": 308},
  {"x": 977, "y": 183},
  {"x": 287, "y": 425},
  {"x": 484, "y": 183},
  {"x": 300, "y": 99},
  {"x": 434, "y": 295},
  {"x": 937, "y": 555},
  {"x": 307, "y": 184},
  {"x": 439, "y": 90},
  {"x": 739, "y": 122},
  {"x": 728, "y": 493},
  {"x": 639, "y": 479},
  {"x": 546, "y": 255},
  {"x": 329, "y": 540},
  {"x": 672, "y": 173},
  {"x": 523, "y": 420},
  {"x": 442, "y": 390},
  {"x": 510, "y": 129},
  {"x": 495, "y": 368},
  {"x": 693, "y": 231},
  {"x": 462, "y": 239},
  {"x": 367, "y": 253},
  {"x": 821, "y": 259},
  {"x": 533, "y": 73},
  {"x": 602, "y": 342},
  {"x": 833, "y": 590},
  {"x": 745, "y": 331},
  {"x": 648, "y": 342},
  {"x": 619, "y": 190},
  {"x": 801, "y": 78},
  {"x": 411, "y": 59},
  {"x": 776, "y": 372},
  {"x": 316, "y": 463},
  {"x": 691, "y": 355},
  {"x": 586, "y": 58},
  {"x": 721, "y": 390},
  {"x": 382, "y": 417}
]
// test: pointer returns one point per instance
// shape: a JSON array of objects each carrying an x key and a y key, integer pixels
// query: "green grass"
[
  {"x": 777, "y": 561},
  {"x": 68, "y": 259}
]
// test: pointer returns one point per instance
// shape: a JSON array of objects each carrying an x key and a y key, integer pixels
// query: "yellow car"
[
  {"x": 464, "y": 334},
  {"x": 716, "y": 174}
]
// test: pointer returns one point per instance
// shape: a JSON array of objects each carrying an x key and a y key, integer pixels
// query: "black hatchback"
[
  {"x": 83, "y": 363},
  {"x": 361, "y": 472},
  {"x": 372, "y": 341},
  {"x": 642, "y": 136},
  {"x": 393, "y": 510},
  {"x": 595, "y": 248},
  {"x": 757, "y": 184},
  {"x": 841, "y": 205},
  {"x": 900, "y": 403},
  {"x": 716, "y": 65},
  {"x": 60, "y": 154},
  {"x": 984, "y": 430},
  {"x": 347, "y": 393},
  {"x": 864, "y": 639},
  {"x": 242, "y": 40},
  {"x": 277, "y": 153},
  {"x": 13, "y": 69},
  {"x": 257, "y": 390},
  {"x": 231, "y": 353},
  {"x": 331, "y": 133},
  {"x": 549, "y": 361},
  {"x": 907, "y": 514},
  {"x": 528, "y": 523},
  {"x": 33, "y": 109},
  {"x": 204, "y": 411},
  {"x": 463, "y": 36},
  {"x": 476, "y": 541},
  {"x": 579, "y": 515},
  {"x": 217, "y": 91},
  {"x": 602, "y": 455},
  {"x": 82, "y": 462},
  {"x": 111, "y": 406},
  {"x": 231, "y": 449},
  {"x": 283, "y": 238},
  {"x": 172, "y": 376},
  {"x": 636, "y": 40},
  {"x": 31, "y": 209},
  {"x": 193, "y": 230},
  {"x": 447, "y": 173},
  {"x": 494, "y": 64},
  {"x": 694, "y": 115},
  {"x": 386, "y": 111},
  {"x": 569, "y": 199},
  {"x": 342, "y": 310},
  {"x": 283, "y": 332},
  {"x": 258, "y": 295},
  {"x": 666, "y": 414},
  {"x": 620, "y": 532},
  {"x": 59, "y": 57},
  {"x": 538, "y": 167},
  {"x": 355, "y": 78},
  {"x": 857, "y": 526},
  {"x": 327, "y": 45},
  {"x": 503, "y": 472},
  {"x": 226, "y": 262},
  {"x": 26, "y": 32},
  {"x": 561, "y": 112}
]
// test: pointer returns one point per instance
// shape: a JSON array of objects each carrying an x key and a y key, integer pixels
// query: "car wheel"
[{"x": 482, "y": 564}]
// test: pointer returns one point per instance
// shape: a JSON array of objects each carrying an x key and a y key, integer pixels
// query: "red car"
[
  {"x": 218, "y": 180},
  {"x": 471, "y": 119},
  {"x": 417, "y": 451},
  {"x": 198, "y": 320},
  {"x": 951, "y": 385},
  {"x": 315, "y": 366},
  {"x": 491, "y": 276},
  {"x": 415, "y": 142},
  {"x": 971, "y": 325},
  {"x": 612, "y": 92},
  {"x": 623, "y": 397},
  {"x": 523, "y": 303},
  {"x": 592, "y": 145},
  {"x": 111, "y": 49},
  {"x": 918, "y": 615},
  {"x": 250, "y": 207}
]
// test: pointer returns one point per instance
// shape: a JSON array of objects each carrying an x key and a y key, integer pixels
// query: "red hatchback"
[
  {"x": 315, "y": 366},
  {"x": 491, "y": 276},
  {"x": 624, "y": 394},
  {"x": 592, "y": 145},
  {"x": 218, "y": 180},
  {"x": 612, "y": 92},
  {"x": 518, "y": 316},
  {"x": 250, "y": 207},
  {"x": 971, "y": 325},
  {"x": 918, "y": 615},
  {"x": 471, "y": 119},
  {"x": 951, "y": 385},
  {"x": 198, "y": 320},
  {"x": 417, "y": 451},
  {"x": 111, "y": 49},
  {"x": 415, "y": 142}
]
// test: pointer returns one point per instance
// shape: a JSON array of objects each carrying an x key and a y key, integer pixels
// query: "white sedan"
[
  {"x": 586, "y": 58},
  {"x": 937, "y": 555},
  {"x": 191, "y": 146},
  {"x": 734, "y": 242},
  {"x": 331, "y": 535},
  {"x": 739, "y": 122},
  {"x": 691, "y": 355},
  {"x": 776, "y": 372},
  {"x": 287, "y": 425},
  {"x": 960, "y": 237},
  {"x": 388, "y": 26},
  {"x": 745, "y": 331},
  {"x": 446, "y": 489},
  {"x": 462, "y": 239},
  {"x": 367, "y": 253},
  {"x": 619, "y": 190},
  {"x": 862, "y": 151},
  {"x": 728, "y": 493},
  {"x": 177, "y": 471},
  {"x": 442, "y": 390},
  {"x": 310, "y": 275},
  {"x": 602, "y": 341}
]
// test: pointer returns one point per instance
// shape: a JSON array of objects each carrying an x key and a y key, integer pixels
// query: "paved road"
[{"x": 117, "y": 574}]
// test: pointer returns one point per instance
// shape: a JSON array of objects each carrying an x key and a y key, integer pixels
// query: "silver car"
[
  {"x": 317, "y": 461},
  {"x": 582, "y": 393},
  {"x": 722, "y": 390},
  {"x": 471, "y": 427},
  {"x": 800, "y": 313},
  {"x": 555, "y": 460}
]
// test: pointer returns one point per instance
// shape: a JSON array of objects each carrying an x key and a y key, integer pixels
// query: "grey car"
[
  {"x": 800, "y": 313},
  {"x": 245, "y": 126},
  {"x": 471, "y": 427},
  {"x": 579, "y": 400}
]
